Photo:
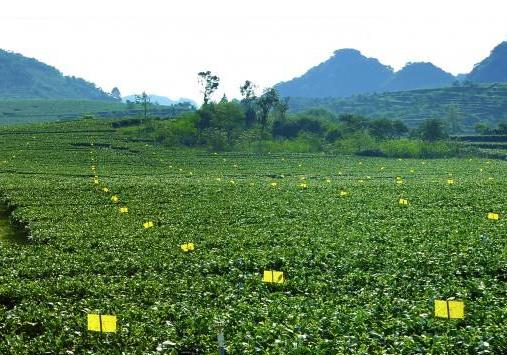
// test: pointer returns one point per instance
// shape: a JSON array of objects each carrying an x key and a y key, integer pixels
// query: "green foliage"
[
  {"x": 361, "y": 271},
  {"x": 432, "y": 129},
  {"x": 475, "y": 104},
  {"x": 27, "y": 78}
]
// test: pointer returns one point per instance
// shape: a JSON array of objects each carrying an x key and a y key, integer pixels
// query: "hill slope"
[
  {"x": 475, "y": 103},
  {"x": 27, "y": 78},
  {"x": 493, "y": 69}
]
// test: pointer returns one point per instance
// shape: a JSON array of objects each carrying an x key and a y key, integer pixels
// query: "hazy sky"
[{"x": 159, "y": 46}]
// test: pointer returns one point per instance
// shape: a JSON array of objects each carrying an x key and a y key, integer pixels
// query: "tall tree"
[
  {"x": 248, "y": 92},
  {"x": 281, "y": 107},
  {"x": 209, "y": 84},
  {"x": 265, "y": 103},
  {"x": 116, "y": 93},
  {"x": 144, "y": 100},
  {"x": 454, "y": 118}
]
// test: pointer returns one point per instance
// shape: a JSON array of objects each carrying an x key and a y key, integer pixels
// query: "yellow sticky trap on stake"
[
  {"x": 187, "y": 247},
  {"x": 96, "y": 181},
  {"x": 403, "y": 201},
  {"x": 450, "y": 181},
  {"x": 493, "y": 216},
  {"x": 449, "y": 309},
  {"x": 148, "y": 224},
  {"x": 343, "y": 193},
  {"x": 115, "y": 198},
  {"x": 124, "y": 210},
  {"x": 105, "y": 189},
  {"x": 272, "y": 276},
  {"x": 102, "y": 323}
]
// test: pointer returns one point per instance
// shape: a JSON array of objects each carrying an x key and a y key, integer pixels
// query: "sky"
[{"x": 159, "y": 46}]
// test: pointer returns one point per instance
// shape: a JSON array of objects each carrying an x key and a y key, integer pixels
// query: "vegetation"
[
  {"x": 27, "y": 78},
  {"x": 466, "y": 104},
  {"x": 361, "y": 271},
  {"x": 28, "y": 111}
]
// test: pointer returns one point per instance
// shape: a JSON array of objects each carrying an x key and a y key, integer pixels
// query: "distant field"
[
  {"x": 485, "y": 103},
  {"x": 361, "y": 271},
  {"x": 28, "y": 111}
]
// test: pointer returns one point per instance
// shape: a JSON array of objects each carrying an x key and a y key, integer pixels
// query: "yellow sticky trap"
[
  {"x": 124, "y": 210},
  {"x": 328, "y": 181},
  {"x": 115, "y": 198},
  {"x": 148, "y": 224},
  {"x": 450, "y": 181},
  {"x": 343, "y": 193},
  {"x": 449, "y": 309},
  {"x": 187, "y": 247},
  {"x": 105, "y": 189},
  {"x": 403, "y": 201},
  {"x": 273, "y": 184},
  {"x": 271, "y": 276},
  {"x": 96, "y": 181},
  {"x": 303, "y": 186},
  {"x": 382, "y": 168},
  {"x": 493, "y": 216},
  {"x": 102, "y": 323}
]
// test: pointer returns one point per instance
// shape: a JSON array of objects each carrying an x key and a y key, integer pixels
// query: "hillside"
[
  {"x": 348, "y": 73},
  {"x": 484, "y": 103},
  {"x": 28, "y": 111},
  {"x": 28, "y": 78},
  {"x": 493, "y": 69}
]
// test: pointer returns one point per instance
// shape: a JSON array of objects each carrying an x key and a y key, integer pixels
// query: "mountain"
[
  {"x": 161, "y": 100},
  {"x": 493, "y": 69},
  {"x": 27, "y": 78},
  {"x": 346, "y": 73},
  {"x": 419, "y": 76}
]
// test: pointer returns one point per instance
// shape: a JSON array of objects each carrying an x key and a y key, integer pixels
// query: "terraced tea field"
[{"x": 361, "y": 271}]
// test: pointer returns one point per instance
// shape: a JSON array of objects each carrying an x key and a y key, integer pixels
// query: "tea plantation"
[{"x": 361, "y": 271}]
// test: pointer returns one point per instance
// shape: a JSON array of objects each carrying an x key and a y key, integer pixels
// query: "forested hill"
[
  {"x": 473, "y": 103},
  {"x": 28, "y": 78}
]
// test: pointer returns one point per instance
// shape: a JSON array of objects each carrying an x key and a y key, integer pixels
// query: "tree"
[
  {"x": 381, "y": 128},
  {"x": 482, "y": 128},
  {"x": 399, "y": 128},
  {"x": 209, "y": 84},
  {"x": 144, "y": 100},
  {"x": 248, "y": 92},
  {"x": 454, "y": 118},
  {"x": 265, "y": 103},
  {"x": 353, "y": 123},
  {"x": 115, "y": 93},
  {"x": 281, "y": 107},
  {"x": 432, "y": 129}
]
